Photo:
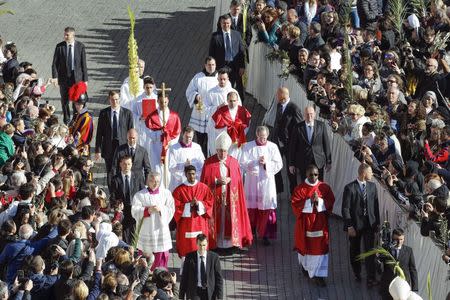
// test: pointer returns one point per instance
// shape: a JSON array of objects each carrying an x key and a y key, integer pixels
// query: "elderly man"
[
  {"x": 182, "y": 154},
  {"x": 309, "y": 145},
  {"x": 155, "y": 207},
  {"x": 125, "y": 93},
  {"x": 138, "y": 154},
  {"x": 288, "y": 115},
  {"x": 14, "y": 253},
  {"x": 431, "y": 80},
  {"x": 196, "y": 94},
  {"x": 261, "y": 160},
  {"x": 234, "y": 119},
  {"x": 230, "y": 226}
]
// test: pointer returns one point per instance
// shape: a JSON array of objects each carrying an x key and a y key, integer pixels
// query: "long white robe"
[
  {"x": 259, "y": 185},
  {"x": 139, "y": 123},
  {"x": 125, "y": 96},
  {"x": 155, "y": 233},
  {"x": 177, "y": 161},
  {"x": 154, "y": 144},
  {"x": 199, "y": 85}
]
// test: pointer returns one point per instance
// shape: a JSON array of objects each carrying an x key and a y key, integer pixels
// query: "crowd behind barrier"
[{"x": 262, "y": 81}]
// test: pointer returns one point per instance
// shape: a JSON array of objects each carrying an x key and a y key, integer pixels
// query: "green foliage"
[
  {"x": 389, "y": 259},
  {"x": 136, "y": 233},
  {"x": 133, "y": 56},
  {"x": 398, "y": 12},
  {"x": 5, "y": 11},
  {"x": 430, "y": 296}
]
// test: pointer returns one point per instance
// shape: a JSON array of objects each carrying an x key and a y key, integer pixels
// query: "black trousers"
[
  {"x": 202, "y": 140},
  {"x": 109, "y": 162},
  {"x": 202, "y": 294},
  {"x": 367, "y": 236},
  {"x": 64, "y": 92}
]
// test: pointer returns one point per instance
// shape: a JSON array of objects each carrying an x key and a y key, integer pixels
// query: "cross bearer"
[{"x": 165, "y": 126}]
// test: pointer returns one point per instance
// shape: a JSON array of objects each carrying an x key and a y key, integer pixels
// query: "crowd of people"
[{"x": 384, "y": 89}]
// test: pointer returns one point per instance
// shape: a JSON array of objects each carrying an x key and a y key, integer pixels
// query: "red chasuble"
[
  {"x": 169, "y": 132},
  {"x": 237, "y": 223},
  {"x": 235, "y": 129},
  {"x": 311, "y": 227},
  {"x": 189, "y": 227}
]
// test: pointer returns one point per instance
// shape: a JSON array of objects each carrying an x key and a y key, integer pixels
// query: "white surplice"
[
  {"x": 199, "y": 85},
  {"x": 125, "y": 96},
  {"x": 259, "y": 185},
  {"x": 177, "y": 161},
  {"x": 155, "y": 233}
]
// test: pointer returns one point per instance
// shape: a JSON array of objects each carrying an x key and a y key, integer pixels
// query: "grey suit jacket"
[{"x": 141, "y": 163}]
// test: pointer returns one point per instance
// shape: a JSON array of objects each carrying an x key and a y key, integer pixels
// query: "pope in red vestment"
[
  {"x": 312, "y": 203},
  {"x": 193, "y": 209},
  {"x": 230, "y": 224}
]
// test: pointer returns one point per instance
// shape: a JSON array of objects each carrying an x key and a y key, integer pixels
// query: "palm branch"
[
  {"x": 390, "y": 260},
  {"x": 398, "y": 12},
  {"x": 136, "y": 233},
  {"x": 133, "y": 56},
  {"x": 430, "y": 296},
  {"x": 419, "y": 7},
  {"x": 5, "y": 11}
]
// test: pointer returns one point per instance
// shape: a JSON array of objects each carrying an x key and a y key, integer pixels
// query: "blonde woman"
[{"x": 352, "y": 127}]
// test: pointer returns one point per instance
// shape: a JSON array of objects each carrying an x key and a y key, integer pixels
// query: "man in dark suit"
[
  {"x": 124, "y": 186},
  {"x": 309, "y": 145},
  {"x": 405, "y": 257},
  {"x": 237, "y": 21},
  {"x": 113, "y": 125},
  {"x": 68, "y": 67},
  {"x": 11, "y": 65},
  {"x": 138, "y": 154},
  {"x": 227, "y": 48},
  {"x": 288, "y": 115},
  {"x": 202, "y": 275},
  {"x": 361, "y": 220}
]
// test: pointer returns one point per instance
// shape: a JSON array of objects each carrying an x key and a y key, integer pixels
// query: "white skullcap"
[
  {"x": 223, "y": 141},
  {"x": 413, "y": 21}
]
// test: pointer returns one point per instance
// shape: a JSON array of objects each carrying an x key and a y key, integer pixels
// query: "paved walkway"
[{"x": 173, "y": 39}]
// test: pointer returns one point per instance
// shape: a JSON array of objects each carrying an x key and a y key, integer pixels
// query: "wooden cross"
[{"x": 163, "y": 89}]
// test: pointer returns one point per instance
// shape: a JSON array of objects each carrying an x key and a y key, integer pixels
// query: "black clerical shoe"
[
  {"x": 304, "y": 272},
  {"x": 266, "y": 242},
  {"x": 358, "y": 277},
  {"x": 372, "y": 283}
]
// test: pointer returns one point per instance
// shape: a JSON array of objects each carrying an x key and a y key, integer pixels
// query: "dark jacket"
[
  {"x": 60, "y": 68},
  {"x": 141, "y": 163},
  {"x": 284, "y": 123},
  {"x": 217, "y": 50},
  {"x": 42, "y": 285}
]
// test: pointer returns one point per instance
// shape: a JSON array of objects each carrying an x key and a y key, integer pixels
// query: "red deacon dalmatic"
[
  {"x": 189, "y": 227},
  {"x": 235, "y": 129},
  {"x": 311, "y": 226},
  {"x": 168, "y": 132},
  {"x": 237, "y": 223}
]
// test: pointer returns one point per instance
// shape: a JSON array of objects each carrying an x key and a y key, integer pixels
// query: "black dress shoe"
[
  {"x": 358, "y": 277},
  {"x": 371, "y": 283},
  {"x": 266, "y": 242},
  {"x": 305, "y": 273}
]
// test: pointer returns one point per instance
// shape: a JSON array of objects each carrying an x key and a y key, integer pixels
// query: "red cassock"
[
  {"x": 311, "y": 229},
  {"x": 235, "y": 129},
  {"x": 237, "y": 223},
  {"x": 170, "y": 131},
  {"x": 189, "y": 227}
]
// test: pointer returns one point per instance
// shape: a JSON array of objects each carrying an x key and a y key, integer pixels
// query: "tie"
[
  {"x": 309, "y": 127},
  {"x": 203, "y": 272},
  {"x": 69, "y": 59},
  {"x": 114, "y": 133},
  {"x": 364, "y": 192},
  {"x": 127, "y": 189},
  {"x": 397, "y": 252},
  {"x": 132, "y": 152},
  {"x": 228, "y": 53}
]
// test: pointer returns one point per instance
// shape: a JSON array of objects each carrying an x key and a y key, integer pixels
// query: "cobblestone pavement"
[{"x": 173, "y": 39}]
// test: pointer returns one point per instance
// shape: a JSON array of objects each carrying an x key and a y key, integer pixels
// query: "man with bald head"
[
  {"x": 288, "y": 115},
  {"x": 309, "y": 145},
  {"x": 138, "y": 154},
  {"x": 430, "y": 79}
]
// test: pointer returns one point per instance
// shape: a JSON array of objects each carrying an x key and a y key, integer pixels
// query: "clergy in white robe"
[
  {"x": 182, "y": 154},
  {"x": 196, "y": 93},
  {"x": 125, "y": 94},
  {"x": 137, "y": 110},
  {"x": 165, "y": 128},
  {"x": 155, "y": 206},
  {"x": 260, "y": 160},
  {"x": 216, "y": 98}
]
